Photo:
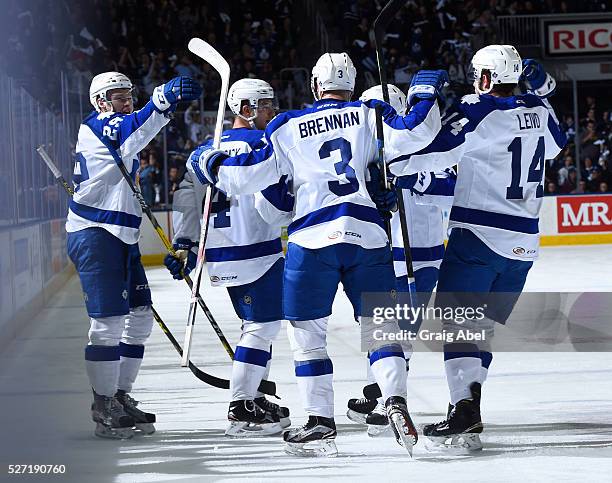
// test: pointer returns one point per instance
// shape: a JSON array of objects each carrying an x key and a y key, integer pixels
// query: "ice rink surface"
[{"x": 547, "y": 416}]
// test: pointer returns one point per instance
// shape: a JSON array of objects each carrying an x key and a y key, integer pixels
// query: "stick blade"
[{"x": 208, "y": 53}]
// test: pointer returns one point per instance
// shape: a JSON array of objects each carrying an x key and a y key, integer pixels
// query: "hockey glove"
[
  {"x": 535, "y": 79},
  {"x": 385, "y": 200},
  {"x": 177, "y": 90},
  {"x": 186, "y": 261},
  {"x": 205, "y": 162},
  {"x": 427, "y": 84},
  {"x": 418, "y": 183}
]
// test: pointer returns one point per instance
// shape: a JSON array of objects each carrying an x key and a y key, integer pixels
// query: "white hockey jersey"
[
  {"x": 325, "y": 151},
  {"x": 424, "y": 222},
  {"x": 244, "y": 231},
  {"x": 500, "y": 145},
  {"x": 102, "y": 197}
]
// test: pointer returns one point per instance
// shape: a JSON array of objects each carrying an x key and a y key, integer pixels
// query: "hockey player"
[
  {"x": 501, "y": 142},
  {"x": 244, "y": 254},
  {"x": 337, "y": 233},
  {"x": 424, "y": 194},
  {"x": 103, "y": 229}
]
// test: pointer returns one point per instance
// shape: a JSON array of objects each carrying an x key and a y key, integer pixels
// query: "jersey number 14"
[{"x": 536, "y": 169}]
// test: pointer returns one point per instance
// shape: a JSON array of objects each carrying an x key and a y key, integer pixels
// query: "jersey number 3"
[
  {"x": 536, "y": 169},
  {"x": 342, "y": 166}
]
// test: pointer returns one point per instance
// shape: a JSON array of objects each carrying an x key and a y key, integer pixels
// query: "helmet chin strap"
[{"x": 251, "y": 119}]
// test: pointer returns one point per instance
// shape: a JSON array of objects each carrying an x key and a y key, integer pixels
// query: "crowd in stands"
[
  {"x": 594, "y": 172},
  {"x": 147, "y": 41}
]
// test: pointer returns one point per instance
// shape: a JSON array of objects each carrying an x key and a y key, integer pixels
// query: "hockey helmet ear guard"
[
  {"x": 253, "y": 91},
  {"x": 397, "y": 99},
  {"x": 102, "y": 83},
  {"x": 503, "y": 62},
  {"x": 332, "y": 72}
]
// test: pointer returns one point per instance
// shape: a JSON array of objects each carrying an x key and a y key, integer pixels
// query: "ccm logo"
[
  {"x": 584, "y": 214},
  {"x": 577, "y": 38}
]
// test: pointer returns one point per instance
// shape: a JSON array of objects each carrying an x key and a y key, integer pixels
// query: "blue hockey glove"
[
  {"x": 176, "y": 90},
  {"x": 418, "y": 183},
  {"x": 427, "y": 84},
  {"x": 186, "y": 260},
  {"x": 205, "y": 162},
  {"x": 385, "y": 200},
  {"x": 536, "y": 79}
]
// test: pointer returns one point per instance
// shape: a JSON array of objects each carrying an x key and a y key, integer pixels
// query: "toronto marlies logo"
[{"x": 124, "y": 294}]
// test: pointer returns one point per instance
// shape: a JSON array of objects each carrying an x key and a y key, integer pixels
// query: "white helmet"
[
  {"x": 333, "y": 72},
  {"x": 102, "y": 83},
  {"x": 397, "y": 98},
  {"x": 503, "y": 61},
  {"x": 251, "y": 90}
]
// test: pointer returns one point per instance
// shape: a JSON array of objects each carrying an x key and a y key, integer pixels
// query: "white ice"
[{"x": 548, "y": 416}]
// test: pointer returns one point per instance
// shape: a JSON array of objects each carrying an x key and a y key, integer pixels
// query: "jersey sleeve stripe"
[
  {"x": 244, "y": 252},
  {"x": 472, "y": 216},
  {"x": 420, "y": 254},
  {"x": 557, "y": 134},
  {"x": 109, "y": 217},
  {"x": 329, "y": 213}
]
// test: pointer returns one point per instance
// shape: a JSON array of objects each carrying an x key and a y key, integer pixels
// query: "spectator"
[
  {"x": 146, "y": 181},
  {"x": 603, "y": 187},
  {"x": 581, "y": 188}
]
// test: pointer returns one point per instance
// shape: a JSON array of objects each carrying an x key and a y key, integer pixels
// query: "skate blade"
[
  {"x": 243, "y": 429},
  {"x": 144, "y": 428},
  {"x": 463, "y": 443},
  {"x": 405, "y": 433},
  {"x": 113, "y": 433},
  {"x": 377, "y": 430},
  {"x": 285, "y": 422},
  {"x": 321, "y": 448},
  {"x": 356, "y": 417}
]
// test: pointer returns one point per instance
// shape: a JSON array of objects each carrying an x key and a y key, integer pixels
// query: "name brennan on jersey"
[{"x": 334, "y": 121}]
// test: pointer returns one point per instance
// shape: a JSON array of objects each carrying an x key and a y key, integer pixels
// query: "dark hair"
[{"x": 504, "y": 90}]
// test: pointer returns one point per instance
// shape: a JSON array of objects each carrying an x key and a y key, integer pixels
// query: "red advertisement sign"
[
  {"x": 584, "y": 214},
  {"x": 579, "y": 38}
]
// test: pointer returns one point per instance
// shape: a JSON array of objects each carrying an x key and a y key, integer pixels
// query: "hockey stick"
[
  {"x": 201, "y": 375},
  {"x": 381, "y": 23},
  {"x": 207, "y": 53}
]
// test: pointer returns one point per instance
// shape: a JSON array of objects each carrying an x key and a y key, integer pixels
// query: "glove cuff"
[
  {"x": 422, "y": 92},
  {"x": 547, "y": 89},
  {"x": 184, "y": 244},
  {"x": 159, "y": 99}
]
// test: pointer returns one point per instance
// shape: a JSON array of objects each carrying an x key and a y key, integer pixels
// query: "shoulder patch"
[{"x": 470, "y": 99}]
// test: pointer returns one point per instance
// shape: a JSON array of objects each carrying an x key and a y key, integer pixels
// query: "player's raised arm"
[
  {"x": 245, "y": 173},
  {"x": 417, "y": 128},
  {"x": 126, "y": 131},
  {"x": 276, "y": 204}
]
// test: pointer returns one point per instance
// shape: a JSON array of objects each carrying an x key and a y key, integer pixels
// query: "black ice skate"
[
  {"x": 461, "y": 429},
  {"x": 405, "y": 432},
  {"x": 315, "y": 438},
  {"x": 281, "y": 411},
  {"x": 143, "y": 421},
  {"x": 377, "y": 421},
  {"x": 111, "y": 420},
  {"x": 358, "y": 409},
  {"x": 247, "y": 419}
]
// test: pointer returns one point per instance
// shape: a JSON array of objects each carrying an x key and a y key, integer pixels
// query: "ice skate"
[
  {"x": 377, "y": 421},
  {"x": 405, "y": 432},
  {"x": 111, "y": 420},
  {"x": 281, "y": 411},
  {"x": 358, "y": 409},
  {"x": 143, "y": 421},
  {"x": 460, "y": 431},
  {"x": 315, "y": 438},
  {"x": 247, "y": 419}
]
